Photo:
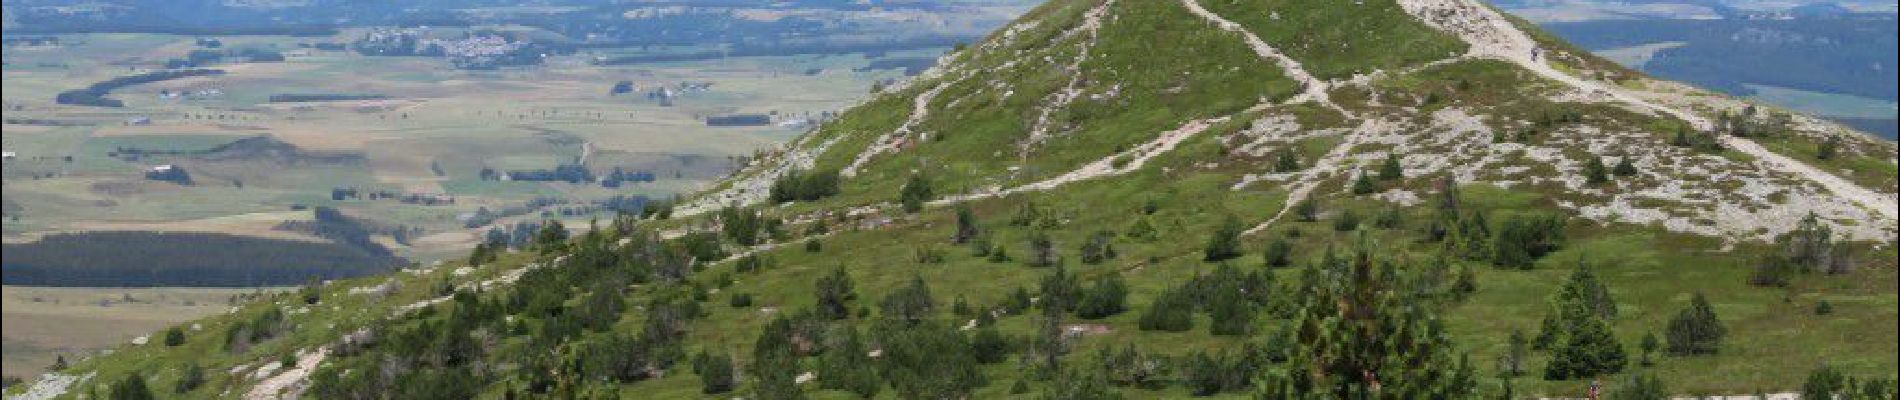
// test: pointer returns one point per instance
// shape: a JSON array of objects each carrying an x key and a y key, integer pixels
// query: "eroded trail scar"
[
  {"x": 1306, "y": 181},
  {"x": 919, "y": 110},
  {"x": 1091, "y": 26},
  {"x": 1312, "y": 89},
  {"x": 754, "y": 188},
  {"x": 1115, "y": 164}
]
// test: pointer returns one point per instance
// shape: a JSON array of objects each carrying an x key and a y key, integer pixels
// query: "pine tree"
[
  {"x": 1521, "y": 239},
  {"x": 1589, "y": 350},
  {"x": 998, "y": 254},
  {"x": 1205, "y": 373},
  {"x": 1286, "y": 161},
  {"x": 190, "y": 379},
  {"x": 1173, "y": 311},
  {"x": 847, "y": 365},
  {"x": 1625, "y": 167},
  {"x": 911, "y": 303},
  {"x": 1307, "y": 210},
  {"x": 1391, "y": 170},
  {"x": 1355, "y": 339},
  {"x": 1225, "y": 244},
  {"x": 741, "y": 225},
  {"x": 1107, "y": 297},
  {"x": 1575, "y": 330},
  {"x": 1279, "y": 253},
  {"x": 552, "y": 238},
  {"x": 1649, "y": 345},
  {"x": 915, "y": 193},
  {"x": 1362, "y": 185},
  {"x": 1772, "y": 271},
  {"x": 1142, "y": 229},
  {"x": 1594, "y": 172},
  {"x": 989, "y": 345},
  {"x": 834, "y": 294},
  {"x": 1824, "y": 383},
  {"x": 1468, "y": 236},
  {"x": 1346, "y": 221},
  {"x": 1232, "y": 314},
  {"x": 1829, "y": 148},
  {"x": 715, "y": 376},
  {"x": 1388, "y": 218},
  {"x": 1810, "y": 246},
  {"x": 132, "y": 387},
  {"x": 1042, "y": 250},
  {"x": 1060, "y": 292},
  {"x": 1549, "y": 331},
  {"x": 775, "y": 362},
  {"x": 1076, "y": 384},
  {"x": 966, "y": 225},
  {"x": 1585, "y": 289},
  {"x": 1640, "y": 386},
  {"x": 1049, "y": 344},
  {"x": 1466, "y": 284},
  {"x": 174, "y": 337},
  {"x": 1448, "y": 195},
  {"x": 1696, "y": 330},
  {"x": 1099, "y": 247},
  {"x": 1516, "y": 356},
  {"x": 1581, "y": 296},
  {"x": 480, "y": 255}
]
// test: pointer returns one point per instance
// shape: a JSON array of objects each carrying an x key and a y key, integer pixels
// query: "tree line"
[
  {"x": 129, "y": 259},
  {"x": 95, "y": 94}
]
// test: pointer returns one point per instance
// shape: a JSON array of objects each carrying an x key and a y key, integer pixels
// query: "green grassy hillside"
[{"x": 1122, "y": 199}]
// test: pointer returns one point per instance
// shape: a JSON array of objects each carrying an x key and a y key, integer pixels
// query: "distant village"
[{"x": 473, "y": 51}]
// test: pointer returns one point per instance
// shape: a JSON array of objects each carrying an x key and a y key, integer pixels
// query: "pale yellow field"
[
  {"x": 436, "y": 118},
  {"x": 37, "y": 324}
]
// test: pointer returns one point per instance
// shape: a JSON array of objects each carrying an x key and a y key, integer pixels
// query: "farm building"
[{"x": 168, "y": 173}]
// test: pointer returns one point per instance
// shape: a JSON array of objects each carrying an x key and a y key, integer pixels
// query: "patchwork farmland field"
[
  {"x": 79, "y": 169},
  {"x": 431, "y": 129},
  {"x": 43, "y": 324}
]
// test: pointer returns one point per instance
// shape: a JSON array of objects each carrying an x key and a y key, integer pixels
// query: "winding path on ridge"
[
  {"x": 1129, "y": 160},
  {"x": 1308, "y": 179},
  {"x": 1315, "y": 90},
  {"x": 1312, "y": 89},
  {"x": 1091, "y": 26},
  {"x": 1490, "y": 35},
  {"x": 919, "y": 109}
]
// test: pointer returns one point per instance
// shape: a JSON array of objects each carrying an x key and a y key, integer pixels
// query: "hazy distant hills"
[{"x": 1828, "y": 59}]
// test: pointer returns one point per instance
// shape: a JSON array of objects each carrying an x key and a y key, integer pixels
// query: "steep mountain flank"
[{"x": 1365, "y": 50}]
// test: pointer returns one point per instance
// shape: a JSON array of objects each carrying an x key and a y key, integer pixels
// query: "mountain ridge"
[
  {"x": 1497, "y": 38},
  {"x": 1140, "y": 130}
]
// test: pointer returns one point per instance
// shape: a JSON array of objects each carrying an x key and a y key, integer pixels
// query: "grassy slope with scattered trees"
[{"x": 1143, "y": 261}]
